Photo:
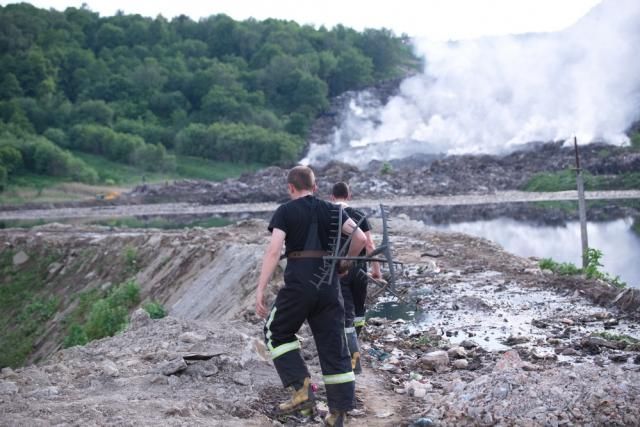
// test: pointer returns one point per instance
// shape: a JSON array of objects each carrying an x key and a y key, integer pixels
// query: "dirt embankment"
[{"x": 488, "y": 338}]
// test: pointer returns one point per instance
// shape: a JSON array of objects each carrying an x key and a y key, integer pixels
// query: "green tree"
[
  {"x": 353, "y": 71},
  {"x": 383, "y": 48},
  {"x": 109, "y": 35},
  {"x": 10, "y": 87},
  {"x": 93, "y": 111},
  {"x": 10, "y": 159}
]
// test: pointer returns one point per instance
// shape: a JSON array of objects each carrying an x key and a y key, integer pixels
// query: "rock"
[
  {"x": 611, "y": 323},
  {"x": 54, "y": 268},
  {"x": 139, "y": 319},
  {"x": 527, "y": 366},
  {"x": 514, "y": 340},
  {"x": 159, "y": 380},
  {"x": 44, "y": 393},
  {"x": 376, "y": 321},
  {"x": 172, "y": 366},
  {"x": 501, "y": 391},
  {"x": 8, "y": 373},
  {"x": 619, "y": 357},
  {"x": 8, "y": 387},
  {"x": 109, "y": 368},
  {"x": 468, "y": 344},
  {"x": 600, "y": 342},
  {"x": 460, "y": 364},
  {"x": 538, "y": 353},
  {"x": 474, "y": 303},
  {"x": 457, "y": 353},
  {"x": 191, "y": 337},
  {"x": 242, "y": 378},
  {"x": 509, "y": 360},
  {"x": 20, "y": 258},
  {"x": 435, "y": 360},
  {"x": 422, "y": 422},
  {"x": 420, "y": 393},
  {"x": 416, "y": 388},
  {"x": 569, "y": 351}
]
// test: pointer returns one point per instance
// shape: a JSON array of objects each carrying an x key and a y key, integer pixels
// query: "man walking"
[
  {"x": 306, "y": 226},
  {"x": 354, "y": 283}
]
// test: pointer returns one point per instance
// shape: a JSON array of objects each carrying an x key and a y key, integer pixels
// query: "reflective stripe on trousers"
[
  {"x": 283, "y": 348},
  {"x": 339, "y": 378}
]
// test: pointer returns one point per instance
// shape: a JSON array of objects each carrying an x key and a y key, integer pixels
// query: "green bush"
[
  {"x": 130, "y": 256},
  {"x": 108, "y": 316},
  {"x": 155, "y": 310},
  {"x": 76, "y": 336},
  {"x": 41, "y": 156},
  {"x": 386, "y": 168},
  {"x": 105, "y": 320},
  {"x": 10, "y": 158},
  {"x": 237, "y": 142},
  {"x": 566, "y": 180},
  {"x": 564, "y": 268},
  {"x": 592, "y": 270}
]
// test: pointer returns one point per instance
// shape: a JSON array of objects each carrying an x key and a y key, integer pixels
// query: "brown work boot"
[
  {"x": 335, "y": 418},
  {"x": 301, "y": 399},
  {"x": 355, "y": 363}
]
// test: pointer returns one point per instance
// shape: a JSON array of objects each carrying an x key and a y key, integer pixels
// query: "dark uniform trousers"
[
  {"x": 322, "y": 307},
  {"x": 354, "y": 292}
]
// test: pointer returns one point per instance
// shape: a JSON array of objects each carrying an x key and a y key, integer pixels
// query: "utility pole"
[{"x": 582, "y": 210}]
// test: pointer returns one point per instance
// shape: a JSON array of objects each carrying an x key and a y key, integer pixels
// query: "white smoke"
[{"x": 491, "y": 94}]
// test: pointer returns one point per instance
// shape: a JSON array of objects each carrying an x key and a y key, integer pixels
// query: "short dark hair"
[
  {"x": 302, "y": 178},
  {"x": 340, "y": 190}
]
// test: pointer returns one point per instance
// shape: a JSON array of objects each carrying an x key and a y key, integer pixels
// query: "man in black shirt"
[
  {"x": 354, "y": 283},
  {"x": 308, "y": 226}
]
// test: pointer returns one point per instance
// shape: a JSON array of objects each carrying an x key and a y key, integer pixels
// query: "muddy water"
[
  {"x": 619, "y": 244},
  {"x": 497, "y": 314}
]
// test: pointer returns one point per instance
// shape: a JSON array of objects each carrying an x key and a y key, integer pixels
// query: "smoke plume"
[{"x": 492, "y": 94}]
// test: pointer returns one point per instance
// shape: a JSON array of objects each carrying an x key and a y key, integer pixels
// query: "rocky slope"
[{"x": 484, "y": 337}]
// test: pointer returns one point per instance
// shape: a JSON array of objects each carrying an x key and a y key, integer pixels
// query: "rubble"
[{"x": 484, "y": 340}]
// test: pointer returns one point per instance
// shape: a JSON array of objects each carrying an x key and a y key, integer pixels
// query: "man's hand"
[
  {"x": 375, "y": 270},
  {"x": 379, "y": 280},
  {"x": 261, "y": 309},
  {"x": 344, "y": 266}
]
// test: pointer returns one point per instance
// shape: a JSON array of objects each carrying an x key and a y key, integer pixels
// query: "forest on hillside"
[{"x": 138, "y": 91}]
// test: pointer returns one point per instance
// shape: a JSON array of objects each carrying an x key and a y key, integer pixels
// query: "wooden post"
[{"x": 582, "y": 210}]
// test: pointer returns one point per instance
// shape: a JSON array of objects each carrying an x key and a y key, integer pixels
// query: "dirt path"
[
  {"x": 382, "y": 407},
  {"x": 162, "y": 209}
]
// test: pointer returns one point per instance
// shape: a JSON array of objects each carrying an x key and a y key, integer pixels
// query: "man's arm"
[
  {"x": 358, "y": 241},
  {"x": 269, "y": 262},
  {"x": 370, "y": 247}
]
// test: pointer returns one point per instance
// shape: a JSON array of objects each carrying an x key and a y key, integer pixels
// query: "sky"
[{"x": 432, "y": 19}]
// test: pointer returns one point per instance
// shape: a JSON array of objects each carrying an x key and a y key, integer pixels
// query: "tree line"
[{"x": 135, "y": 89}]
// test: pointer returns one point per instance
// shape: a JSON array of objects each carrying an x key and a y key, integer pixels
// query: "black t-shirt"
[
  {"x": 295, "y": 216},
  {"x": 356, "y": 215}
]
